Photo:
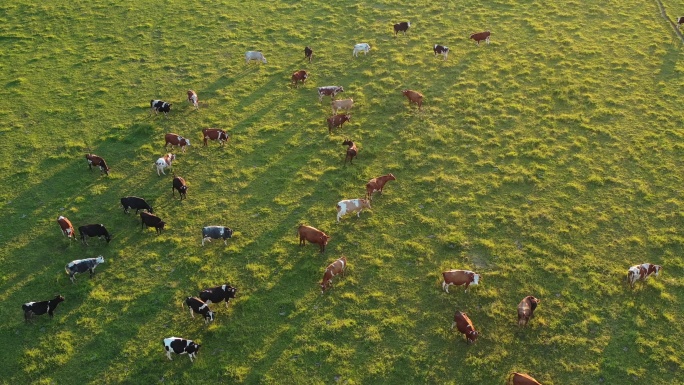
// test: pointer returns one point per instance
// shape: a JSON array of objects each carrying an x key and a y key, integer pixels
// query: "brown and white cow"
[
  {"x": 94, "y": 160},
  {"x": 465, "y": 326},
  {"x": 480, "y": 36},
  {"x": 299, "y": 76},
  {"x": 329, "y": 91},
  {"x": 66, "y": 226},
  {"x": 641, "y": 272},
  {"x": 352, "y": 151},
  {"x": 192, "y": 99},
  {"x": 180, "y": 185},
  {"x": 337, "y": 121},
  {"x": 214, "y": 134},
  {"x": 164, "y": 162},
  {"x": 176, "y": 140},
  {"x": 401, "y": 27},
  {"x": 351, "y": 206},
  {"x": 521, "y": 379},
  {"x": 458, "y": 278},
  {"x": 414, "y": 97},
  {"x": 526, "y": 309},
  {"x": 345, "y": 104},
  {"x": 332, "y": 270},
  {"x": 377, "y": 184},
  {"x": 313, "y": 235}
]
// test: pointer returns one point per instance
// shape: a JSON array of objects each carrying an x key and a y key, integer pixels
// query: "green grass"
[{"x": 548, "y": 161}]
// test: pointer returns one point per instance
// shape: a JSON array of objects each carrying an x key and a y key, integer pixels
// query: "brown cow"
[
  {"x": 352, "y": 151},
  {"x": 480, "y": 36},
  {"x": 459, "y": 277},
  {"x": 526, "y": 309},
  {"x": 192, "y": 99},
  {"x": 214, "y": 134},
  {"x": 465, "y": 326},
  {"x": 308, "y": 53},
  {"x": 313, "y": 235},
  {"x": 337, "y": 121},
  {"x": 521, "y": 379},
  {"x": 179, "y": 184},
  {"x": 641, "y": 272},
  {"x": 94, "y": 160},
  {"x": 299, "y": 76},
  {"x": 332, "y": 270},
  {"x": 176, "y": 140},
  {"x": 151, "y": 220},
  {"x": 401, "y": 27},
  {"x": 377, "y": 184},
  {"x": 414, "y": 97},
  {"x": 66, "y": 226}
]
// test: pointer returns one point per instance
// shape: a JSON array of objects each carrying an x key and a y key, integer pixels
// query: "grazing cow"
[
  {"x": 151, "y": 220},
  {"x": 332, "y": 270},
  {"x": 308, "y": 53},
  {"x": 361, "y": 47},
  {"x": 198, "y": 306},
  {"x": 329, "y": 91},
  {"x": 176, "y": 140},
  {"x": 465, "y": 326},
  {"x": 81, "y": 266},
  {"x": 680, "y": 21},
  {"x": 401, "y": 27},
  {"x": 351, "y": 206},
  {"x": 94, "y": 160},
  {"x": 458, "y": 278},
  {"x": 377, "y": 184},
  {"x": 192, "y": 99},
  {"x": 254, "y": 55},
  {"x": 352, "y": 151},
  {"x": 526, "y": 309},
  {"x": 480, "y": 36},
  {"x": 135, "y": 203},
  {"x": 66, "y": 226},
  {"x": 214, "y": 134},
  {"x": 97, "y": 230},
  {"x": 345, "y": 104},
  {"x": 164, "y": 162},
  {"x": 40, "y": 308},
  {"x": 158, "y": 106},
  {"x": 179, "y": 184},
  {"x": 641, "y": 272},
  {"x": 414, "y": 97},
  {"x": 521, "y": 379},
  {"x": 216, "y": 232},
  {"x": 218, "y": 294},
  {"x": 299, "y": 76},
  {"x": 181, "y": 346},
  {"x": 441, "y": 50},
  {"x": 337, "y": 121},
  {"x": 313, "y": 235}
]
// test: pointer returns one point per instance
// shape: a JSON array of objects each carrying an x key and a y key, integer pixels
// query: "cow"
[
  {"x": 198, "y": 306},
  {"x": 308, "y": 53},
  {"x": 94, "y": 160},
  {"x": 480, "y": 36},
  {"x": 680, "y": 21},
  {"x": 526, "y": 309},
  {"x": 465, "y": 326},
  {"x": 332, "y": 270},
  {"x": 180, "y": 346},
  {"x": 361, "y": 47},
  {"x": 216, "y": 232},
  {"x": 414, "y": 97},
  {"x": 329, "y": 91},
  {"x": 81, "y": 266},
  {"x": 352, "y": 151},
  {"x": 458, "y": 278},
  {"x": 179, "y": 184},
  {"x": 440, "y": 50},
  {"x": 218, "y": 294},
  {"x": 313, "y": 235},
  {"x": 299, "y": 76},
  {"x": 337, "y": 121},
  {"x": 95, "y": 230},
  {"x": 176, "y": 140},
  {"x": 401, "y": 27},
  {"x": 352, "y": 206},
  {"x": 164, "y": 162},
  {"x": 66, "y": 226},
  {"x": 345, "y": 104},
  {"x": 641, "y": 272},
  {"x": 521, "y": 379},
  {"x": 192, "y": 99},
  {"x": 214, "y": 134},
  {"x": 254, "y": 55},
  {"x": 377, "y": 184},
  {"x": 158, "y": 106},
  {"x": 135, "y": 203},
  {"x": 40, "y": 308},
  {"x": 151, "y": 220}
]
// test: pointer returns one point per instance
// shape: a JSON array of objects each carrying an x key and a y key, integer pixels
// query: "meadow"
[{"x": 548, "y": 161}]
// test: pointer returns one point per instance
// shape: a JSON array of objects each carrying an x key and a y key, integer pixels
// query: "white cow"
[
  {"x": 361, "y": 47},
  {"x": 164, "y": 162},
  {"x": 350, "y": 206},
  {"x": 254, "y": 55}
]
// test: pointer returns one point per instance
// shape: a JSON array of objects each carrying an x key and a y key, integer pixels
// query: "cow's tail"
[
  {"x": 509, "y": 380},
  {"x": 298, "y": 227}
]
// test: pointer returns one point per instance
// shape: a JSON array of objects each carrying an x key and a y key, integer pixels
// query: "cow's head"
[
  {"x": 476, "y": 279},
  {"x": 391, "y": 177},
  {"x": 228, "y": 233},
  {"x": 324, "y": 239},
  {"x": 99, "y": 259},
  {"x": 58, "y": 298},
  {"x": 339, "y": 89},
  {"x": 472, "y": 335},
  {"x": 657, "y": 269},
  {"x": 185, "y": 142},
  {"x": 193, "y": 348},
  {"x": 365, "y": 203},
  {"x": 230, "y": 291}
]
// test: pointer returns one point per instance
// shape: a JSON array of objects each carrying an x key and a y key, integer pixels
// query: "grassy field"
[{"x": 549, "y": 161}]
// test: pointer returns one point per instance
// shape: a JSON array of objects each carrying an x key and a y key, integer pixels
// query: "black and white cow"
[
  {"x": 96, "y": 230},
  {"x": 180, "y": 346},
  {"x": 216, "y": 232},
  {"x": 151, "y": 220},
  {"x": 198, "y": 306},
  {"x": 42, "y": 307},
  {"x": 218, "y": 294},
  {"x": 82, "y": 265},
  {"x": 135, "y": 203},
  {"x": 158, "y": 106},
  {"x": 441, "y": 50}
]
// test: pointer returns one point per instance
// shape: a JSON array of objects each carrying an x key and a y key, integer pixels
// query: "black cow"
[
  {"x": 151, "y": 220},
  {"x": 216, "y": 232},
  {"x": 42, "y": 307},
  {"x": 308, "y": 53},
  {"x": 198, "y": 306},
  {"x": 82, "y": 265},
  {"x": 135, "y": 203},
  {"x": 680, "y": 21},
  {"x": 180, "y": 346},
  {"x": 94, "y": 231},
  {"x": 158, "y": 106},
  {"x": 179, "y": 184},
  {"x": 401, "y": 27},
  {"x": 218, "y": 294}
]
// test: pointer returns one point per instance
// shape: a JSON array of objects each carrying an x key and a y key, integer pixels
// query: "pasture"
[{"x": 548, "y": 161}]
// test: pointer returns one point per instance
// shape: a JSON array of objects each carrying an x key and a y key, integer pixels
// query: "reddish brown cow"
[
  {"x": 332, "y": 270},
  {"x": 299, "y": 76},
  {"x": 521, "y": 379},
  {"x": 94, "y": 160},
  {"x": 352, "y": 151},
  {"x": 214, "y": 134},
  {"x": 377, "y": 184},
  {"x": 176, "y": 140},
  {"x": 313, "y": 235},
  {"x": 465, "y": 326},
  {"x": 480, "y": 36},
  {"x": 179, "y": 184},
  {"x": 337, "y": 121},
  {"x": 66, "y": 226},
  {"x": 459, "y": 277},
  {"x": 401, "y": 27},
  {"x": 526, "y": 309},
  {"x": 414, "y": 97}
]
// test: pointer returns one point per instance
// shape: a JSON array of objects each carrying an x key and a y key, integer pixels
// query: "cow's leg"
[
  {"x": 466, "y": 287},
  {"x": 225, "y": 241},
  {"x": 168, "y": 354},
  {"x": 191, "y": 312},
  {"x": 453, "y": 324},
  {"x": 226, "y": 303}
]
